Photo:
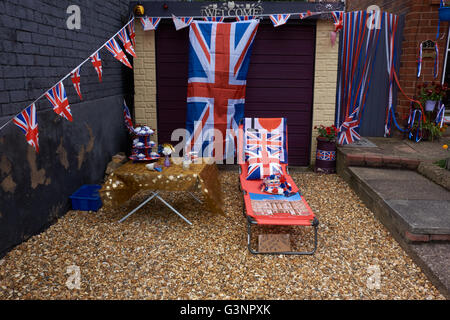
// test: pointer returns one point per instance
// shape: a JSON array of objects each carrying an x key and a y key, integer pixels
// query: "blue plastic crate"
[{"x": 87, "y": 198}]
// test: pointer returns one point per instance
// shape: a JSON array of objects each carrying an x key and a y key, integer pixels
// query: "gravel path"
[{"x": 158, "y": 256}]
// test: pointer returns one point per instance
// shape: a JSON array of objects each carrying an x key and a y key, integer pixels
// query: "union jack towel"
[
  {"x": 149, "y": 23},
  {"x": 279, "y": 19},
  {"x": 219, "y": 58},
  {"x": 58, "y": 98},
  {"x": 127, "y": 45},
  {"x": 75, "y": 77},
  {"x": 182, "y": 22},
  {"x": 117, "y": 52},
  {"x": 27, "y": 122},
  {"x": 127, "y": 117},
  {"x": 132, "y": 32},
  {"x": 213, "y": 19},
  {"x": 97, "y": 63},
  {"x": 348, "y": 130}
]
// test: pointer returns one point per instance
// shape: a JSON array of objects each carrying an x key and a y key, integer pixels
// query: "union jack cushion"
[{"x": 262, "y": 152}]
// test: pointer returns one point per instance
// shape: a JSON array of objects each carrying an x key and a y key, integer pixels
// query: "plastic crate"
[{"x": 87, "y": 198}]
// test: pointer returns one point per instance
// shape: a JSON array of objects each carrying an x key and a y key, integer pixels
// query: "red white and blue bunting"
[
  {"x": 279, "y": 19},
  {"x": 149, "y": 24}
]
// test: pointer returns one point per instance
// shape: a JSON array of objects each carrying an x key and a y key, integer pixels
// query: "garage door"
[{"x": 279, "y": 83}]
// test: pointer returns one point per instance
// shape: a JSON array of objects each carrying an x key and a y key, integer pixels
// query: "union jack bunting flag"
[
  {"x": 97, "y": 63},
  {"x": 117, "y": 52},
  {"x": 218, "y": 64},
  {"x": 213, "y": 19},
  {"x": 279, "y": 19},
  {"x": 127, "y": 117},
  {"x": 75, "y": 77},
  {"x": 149, "y": 23},
  {"x": 127, "y": 45},
  {"x": 338, "y": 18},
  {"x": 132, "y": 32},
  {"x": 27, "y": 122},
  {"x": 245, "y": 18},
  {"x": 58, "y": 98},
  {"x": 182, "y": 22},
  {"x": 347, "y": 131},
  {"x": 308, "y": 14}
]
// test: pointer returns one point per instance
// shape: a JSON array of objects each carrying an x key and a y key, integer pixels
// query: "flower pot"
[
  {"x": 430, "y": 105},
  {"x": 444, "y": 13},
  {"x": 325, "y": 156}
]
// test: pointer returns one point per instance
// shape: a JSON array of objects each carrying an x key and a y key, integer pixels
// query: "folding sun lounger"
[{"x": 260, "y": 208}]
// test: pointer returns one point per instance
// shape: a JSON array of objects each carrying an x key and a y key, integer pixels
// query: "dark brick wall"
[{"x": 37, "y": 50}]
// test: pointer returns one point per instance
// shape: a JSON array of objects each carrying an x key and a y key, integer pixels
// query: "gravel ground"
[{"x": 158, "y": 256}]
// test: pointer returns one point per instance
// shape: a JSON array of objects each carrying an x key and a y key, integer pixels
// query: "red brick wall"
[{"x": 421, "y": 21}]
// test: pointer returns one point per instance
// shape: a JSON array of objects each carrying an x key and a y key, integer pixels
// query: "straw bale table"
[{"x": 132, "y": 177}]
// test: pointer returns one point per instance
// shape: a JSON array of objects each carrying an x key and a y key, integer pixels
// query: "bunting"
[
  {"x": 245, "y": 18},
  {"x": 127, "y": 118},
  {"x": 149, "y": 23},
  {"x": 279, "y": 19},
  {"x": 132, "y": 32},
  {"x": 58, "y": 98},
  {"x": 214, "y": 19},
  {"x": 27, "y": 122},
  {"x": 75, "y": 77},
  {"x": 97, "y": 63},
  {"x": 113, "y": 47},
  {"x": 338, "y": 18},
  {"x": 182, "y": 22},
  {"x": 127, "y": 45}
]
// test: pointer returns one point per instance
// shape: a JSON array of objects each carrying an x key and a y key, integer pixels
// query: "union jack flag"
[
  {"x": 326, "y": 155},
  {"x": 308, "y": 14},
  {"x": 181, "y": 22},
  {"x": 338, "y": 17},
  {"x": 132, "y": 32},
  {"x": 245, "y": 18},
  {"x": 262, "y": 163},
  {"x": 127, "y": 45},
  {"x": 213, "y": 19},
  {"x": 265, "y": 141},
  {"x": 347, "y": 131},
  {"x": 97, "y": 63},
  {"x": 58, "y": 98},
  {"x": 27, "y": 122},
  {"x": 75, "y": 77},
  {"x": 150, "y": 23},
  {"x": 127, "y": 117},
  {"x": 117, "y": 52},
  {"x": 218, "y": 64},
  {"x": 279, "y": 19}
]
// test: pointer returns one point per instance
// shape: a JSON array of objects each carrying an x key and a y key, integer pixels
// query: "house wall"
[
  {"x": 325, "y": 81},
  {"x": 421, "y": 24},
  {"x": 37, "y": 50}
]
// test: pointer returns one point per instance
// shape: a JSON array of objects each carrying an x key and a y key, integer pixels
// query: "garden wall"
[{"x": 37, "y": 49}]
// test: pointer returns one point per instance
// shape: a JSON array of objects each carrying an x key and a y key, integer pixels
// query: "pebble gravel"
[{"x": 156, "y": 255}]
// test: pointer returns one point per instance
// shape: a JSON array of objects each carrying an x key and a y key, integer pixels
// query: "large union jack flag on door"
[{"x": 219, "y": 57}]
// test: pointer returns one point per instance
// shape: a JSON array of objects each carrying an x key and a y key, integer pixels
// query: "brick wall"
[
  {"x": 37, "y": 50},
  {"x": 325, "y": 80},
  {"x": 145, "y": 79}
]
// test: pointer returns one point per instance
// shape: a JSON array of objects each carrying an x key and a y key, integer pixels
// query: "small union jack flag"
[
  {"x": 182, "y": 22},
  {"x": 150, "y": 23},
  {"x": 308, "y": 14},
  {"x": 338, "y": 17},
  {"x": 326, "y": 155},
  {"x": 127, "y": 45},
  {"x": 127, "y": 117},
  {"x": 245, "y": 18},
  {"x": 279, "y": 19},
  {"x": 132, "y": 32},
  {"x": 27, "y": 122},
  {"x": 58, "y": 98},
  {"x": 117, "y": 52},
  {"x": 347, "y": 131},
  {"x": 75, "y": 77},
  {"x": 214, "y": 19},
  {"x": 97, "y": 63}
]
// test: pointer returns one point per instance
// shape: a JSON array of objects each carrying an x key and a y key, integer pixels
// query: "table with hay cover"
[{"x": 133, "y": 177}]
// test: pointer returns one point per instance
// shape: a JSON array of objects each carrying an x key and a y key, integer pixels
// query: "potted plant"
[
  {"x": 326, "y": 149},
  {"x": 430, "y": 94}
]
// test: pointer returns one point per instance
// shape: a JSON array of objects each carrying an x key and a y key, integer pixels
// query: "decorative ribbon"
[
  {"x": 411, "y": 120},
  {"x": 440, "y": 116},
  {"x": 419, "y": 62}
]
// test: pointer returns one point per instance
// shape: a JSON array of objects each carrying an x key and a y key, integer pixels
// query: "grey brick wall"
[{"x": 36, "y": 51}]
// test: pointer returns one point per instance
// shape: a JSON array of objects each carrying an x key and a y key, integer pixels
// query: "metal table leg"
[
  {"x": 193, "y": 196},
  {"x": 140, "y": 206},
  {"x": 173, "y": 209}
]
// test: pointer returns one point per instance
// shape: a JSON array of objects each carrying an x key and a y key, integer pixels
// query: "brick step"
[{"x": 379, "y": 161}]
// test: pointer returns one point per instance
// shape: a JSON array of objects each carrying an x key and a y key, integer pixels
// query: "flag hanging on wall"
[
  {"x": 219, "y": 58},
  {"x": 97, "y": 63},
  {"x": 127, "y": 45},
  {"x": 58, "y": 98},
  {"x": 27, "y": 122},
  {"x": 149, "y": 23},
  {"x": 279, "y": 19},
  {"x": 75, "y": 77},
  {"x": 182, "y": 22},
  {"x": 117, "y": 52}
]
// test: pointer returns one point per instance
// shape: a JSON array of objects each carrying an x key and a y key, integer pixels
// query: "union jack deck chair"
[{"x": 261, "y": 208}]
